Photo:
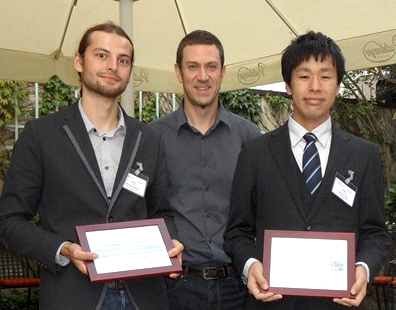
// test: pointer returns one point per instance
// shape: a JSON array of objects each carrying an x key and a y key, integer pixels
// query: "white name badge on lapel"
[
  {"x": 344, "y": 189},
  {"x": 136, "y": 182}
]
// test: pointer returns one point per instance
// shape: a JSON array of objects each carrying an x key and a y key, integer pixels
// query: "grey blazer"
[
  {"x": 54, "y": 172},
  {"x": 268, "y": 193}
]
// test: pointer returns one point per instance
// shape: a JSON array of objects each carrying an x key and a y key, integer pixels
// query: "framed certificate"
[
  {"x": 306, "y": 263},
  {"x": 128, "y": 249}
]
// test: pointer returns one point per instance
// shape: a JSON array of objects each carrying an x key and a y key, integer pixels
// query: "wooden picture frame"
[
  {"x": 128, "y": 250},
  {"x": 306, "y": 263}
]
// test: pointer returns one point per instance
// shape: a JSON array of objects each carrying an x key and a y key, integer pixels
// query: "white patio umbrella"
[{"x": 39, "y": 37}]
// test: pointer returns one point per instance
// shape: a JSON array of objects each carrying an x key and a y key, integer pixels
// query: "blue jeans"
[
  {"x": 195, "y": 293},
  {"x": 117, "y": 300}
]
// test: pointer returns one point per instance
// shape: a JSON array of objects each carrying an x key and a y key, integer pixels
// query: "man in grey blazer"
[
  {"x": 71, "y": 167},
  {"x": 270, "y": 190}
]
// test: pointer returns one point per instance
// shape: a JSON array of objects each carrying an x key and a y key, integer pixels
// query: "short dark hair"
[
  {"x": 199, "y": 37},
  {"x": 108, "y": 27},
  {"x": 314, "y": 44}
]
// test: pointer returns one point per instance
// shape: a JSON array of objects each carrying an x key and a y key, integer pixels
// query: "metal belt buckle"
[
  {"x": 213, "y": 273},
  {"x": 119, "y": 285}
]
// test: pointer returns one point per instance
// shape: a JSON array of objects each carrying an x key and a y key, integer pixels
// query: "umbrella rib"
[
  {"x": 180, "y": 16},
  {"x": 58, "y": 51},
  {"x": 283, "y": 18}
]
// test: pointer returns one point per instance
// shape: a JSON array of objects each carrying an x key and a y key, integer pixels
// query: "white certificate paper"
[
  {"x": 128, "y": 249},
  {"x": 309, "y": 263}
]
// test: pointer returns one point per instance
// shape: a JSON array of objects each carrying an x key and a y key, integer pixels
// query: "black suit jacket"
[
  {"x": 268, "y": 193},
  {"x": 54, "y": 172}
]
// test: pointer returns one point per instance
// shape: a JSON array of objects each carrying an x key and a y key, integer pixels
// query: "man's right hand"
[
  {"x": 258, "y": 285},
  {"x": 77, "y": 256}
]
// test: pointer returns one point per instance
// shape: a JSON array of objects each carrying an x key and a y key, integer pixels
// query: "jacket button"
[
  {"x": 111, "y": 219},
  {"x": 308, "y": 227}
]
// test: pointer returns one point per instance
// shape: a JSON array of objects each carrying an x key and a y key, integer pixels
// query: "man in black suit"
[
  {"x": 270, "y": 190},
  {"x": 74, "y": 168}
]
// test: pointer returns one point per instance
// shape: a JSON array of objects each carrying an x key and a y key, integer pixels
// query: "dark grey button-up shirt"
[{"x": 200, "y": 169}]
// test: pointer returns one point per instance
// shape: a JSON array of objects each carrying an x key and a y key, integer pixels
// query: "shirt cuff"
[
  {"x": 365, "y": 267},
  {"x": 245, "y": 271},
  {"x": 61, "y": 259}
]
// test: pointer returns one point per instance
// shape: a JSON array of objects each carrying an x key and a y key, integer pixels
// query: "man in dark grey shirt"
[{"x": 202, "y": 142}]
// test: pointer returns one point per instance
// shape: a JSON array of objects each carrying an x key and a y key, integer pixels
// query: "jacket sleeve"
[
  {"x": 239, "y": 238},
  {"x": 157, "y": 201},
  {"x": 19, "y": 203},
  {"x": 373, "y": 237}
]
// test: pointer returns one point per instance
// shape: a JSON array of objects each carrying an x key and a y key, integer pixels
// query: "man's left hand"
[
  {"x": 176, "y": 251},
  {"x": 359, "y": 289}
]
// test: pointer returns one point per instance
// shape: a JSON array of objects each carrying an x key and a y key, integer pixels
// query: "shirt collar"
[
  {"x": 90, "y": 127},
  {"x": 222, "y": 116},
  {"x": 297, "y": 132}
]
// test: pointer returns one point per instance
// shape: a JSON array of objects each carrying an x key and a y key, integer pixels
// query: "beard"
[{"x": 108, "y": 91}]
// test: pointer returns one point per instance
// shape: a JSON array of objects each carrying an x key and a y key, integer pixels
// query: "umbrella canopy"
[{"x": 39, "y": 38}]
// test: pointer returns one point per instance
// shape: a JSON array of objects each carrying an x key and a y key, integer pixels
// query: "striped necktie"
[{"x": 312, "y": 171}]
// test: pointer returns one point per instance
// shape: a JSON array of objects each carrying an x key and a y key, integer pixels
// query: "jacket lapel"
[
  {"x": 129, "y": 150},
  {"x": 339, "y": 154},
  {"x": 76, "y": 131},
  {"x": 281, "y": 151}
]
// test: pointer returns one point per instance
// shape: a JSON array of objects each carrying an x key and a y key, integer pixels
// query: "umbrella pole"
[{"x": 126, "y": 10}]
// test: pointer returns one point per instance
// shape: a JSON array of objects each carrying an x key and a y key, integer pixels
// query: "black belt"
[
  {"x": 116, "y": 285},
  {"x": 210, "y": 273}
]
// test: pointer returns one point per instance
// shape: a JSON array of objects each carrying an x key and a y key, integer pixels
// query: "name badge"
[
  {"x": 136, "y": 184},
  {"x": 344, "y": 189}
]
